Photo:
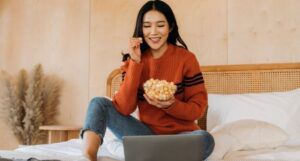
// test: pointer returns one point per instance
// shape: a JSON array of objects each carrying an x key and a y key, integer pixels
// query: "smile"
[{"x": 155, "y": 39}]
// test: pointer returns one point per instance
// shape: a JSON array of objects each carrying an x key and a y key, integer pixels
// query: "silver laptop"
[{"x": 163, "y": 148}]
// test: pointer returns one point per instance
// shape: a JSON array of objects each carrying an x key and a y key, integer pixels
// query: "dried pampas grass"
[
  {"x": 29, "y": 102},
  {"x": 33, "y": 118},
  {"x": 52, "y": 91},
  {"x": 11, "y": 105}
]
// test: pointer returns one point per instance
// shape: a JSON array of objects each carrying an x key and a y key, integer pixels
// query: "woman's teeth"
[{"x": 155, "y": 39}]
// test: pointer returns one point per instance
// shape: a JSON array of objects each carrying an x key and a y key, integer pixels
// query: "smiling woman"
[
  {"x": 156, "y": 31},
  {"x": 156, "y": 51}
]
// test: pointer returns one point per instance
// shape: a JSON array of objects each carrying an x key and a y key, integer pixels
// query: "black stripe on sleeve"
[
  {"x": 195, "y": 76},
  {"x": 194, "y": 83}
]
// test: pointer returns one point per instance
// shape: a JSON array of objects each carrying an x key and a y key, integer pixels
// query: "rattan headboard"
[{"x": 230, "y": 79}]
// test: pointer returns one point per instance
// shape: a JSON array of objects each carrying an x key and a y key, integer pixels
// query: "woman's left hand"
[{"x": 158, "y": 103}]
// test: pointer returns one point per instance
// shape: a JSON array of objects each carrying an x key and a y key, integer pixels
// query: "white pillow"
[
  {"x": 246, "y": 135},
  {"x": 278, "y": 108}
]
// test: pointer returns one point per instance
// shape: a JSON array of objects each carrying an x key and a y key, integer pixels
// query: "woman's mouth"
[{"x": 154, "y": 39}]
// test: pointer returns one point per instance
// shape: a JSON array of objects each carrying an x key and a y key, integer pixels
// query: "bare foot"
[{"x": 90, "y": 158}]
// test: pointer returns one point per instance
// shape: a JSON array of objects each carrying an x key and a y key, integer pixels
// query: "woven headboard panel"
[{"x": 233, "y": 79}]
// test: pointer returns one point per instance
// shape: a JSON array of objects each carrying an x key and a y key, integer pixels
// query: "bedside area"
[{"x": 60, "y": 133}]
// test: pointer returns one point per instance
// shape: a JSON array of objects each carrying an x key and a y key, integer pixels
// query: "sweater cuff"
[
  {"x": 135, "y": 64},
  {"x": 135, "y": 69}
]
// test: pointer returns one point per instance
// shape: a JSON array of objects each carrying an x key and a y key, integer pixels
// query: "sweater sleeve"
[
  {"x": 194, "y": 104},
  {"x": 125, "y": 100}
]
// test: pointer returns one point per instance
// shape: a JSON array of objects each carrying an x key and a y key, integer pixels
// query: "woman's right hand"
[{"x": 134, "y": 49}]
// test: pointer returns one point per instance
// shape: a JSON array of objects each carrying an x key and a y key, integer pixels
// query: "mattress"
[
  {"x": 113, "y": 151},
  {"x": 64, "y": 151}
]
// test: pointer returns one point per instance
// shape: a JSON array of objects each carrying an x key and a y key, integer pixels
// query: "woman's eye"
[
  {"x": 146, "y": 26},
  {"x": 161, "y": 25}
]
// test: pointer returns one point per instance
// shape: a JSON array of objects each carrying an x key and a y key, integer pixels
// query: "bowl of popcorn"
[{"x": 159, "y": 89}]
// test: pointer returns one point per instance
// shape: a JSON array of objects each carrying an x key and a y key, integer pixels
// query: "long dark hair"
[{"x": 166, "y": 10}]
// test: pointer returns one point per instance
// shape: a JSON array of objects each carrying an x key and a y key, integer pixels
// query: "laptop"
[{"x": 163, "y": 148}]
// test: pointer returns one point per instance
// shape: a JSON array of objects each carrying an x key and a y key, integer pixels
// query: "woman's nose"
[{"x": 153, "y": 30}]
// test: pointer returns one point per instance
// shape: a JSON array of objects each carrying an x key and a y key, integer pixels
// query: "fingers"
[
  {"x": 167, "y": 103},
  {"x": 159, "y": 104},
  {"x": 134, "y": 49},
  {"x": 135, "y": 42},
  {"x": 149, "y": 100}
]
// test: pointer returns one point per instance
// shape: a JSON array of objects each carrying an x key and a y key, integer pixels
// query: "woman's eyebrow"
[{"x": 162, "y": 21}]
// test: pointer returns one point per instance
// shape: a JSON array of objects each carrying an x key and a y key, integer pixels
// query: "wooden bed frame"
[{"x": 236, "y": 79}]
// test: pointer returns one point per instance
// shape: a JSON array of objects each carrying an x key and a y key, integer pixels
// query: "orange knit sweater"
[{"x": 176, "y": 65}]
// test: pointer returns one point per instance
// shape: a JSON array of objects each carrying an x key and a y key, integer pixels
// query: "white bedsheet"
[
  {"x": 65, "y": 151},
  {"x": 284, "y": 153},
  {"x": 71, "y": 151}
]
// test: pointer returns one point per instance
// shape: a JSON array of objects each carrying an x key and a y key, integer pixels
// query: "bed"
[{"x": 253, "y": 114}]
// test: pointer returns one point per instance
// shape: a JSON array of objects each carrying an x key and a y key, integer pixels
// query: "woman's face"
[{"x": 155, "y": 29}]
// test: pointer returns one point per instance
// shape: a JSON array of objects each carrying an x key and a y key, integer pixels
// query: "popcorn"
[{"x": 159, "y": 89}]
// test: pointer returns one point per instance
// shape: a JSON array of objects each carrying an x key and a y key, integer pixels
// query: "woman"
[{"x": 153, "y": 53}]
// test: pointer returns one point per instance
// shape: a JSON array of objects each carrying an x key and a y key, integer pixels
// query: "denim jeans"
[{"x": 101, "y": 113}]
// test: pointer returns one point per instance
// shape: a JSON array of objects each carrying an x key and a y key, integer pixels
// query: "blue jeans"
[{"x": 101, "y": 113}]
